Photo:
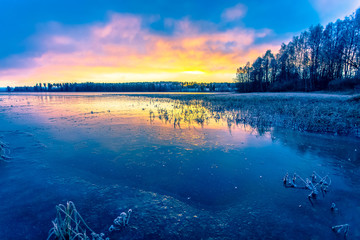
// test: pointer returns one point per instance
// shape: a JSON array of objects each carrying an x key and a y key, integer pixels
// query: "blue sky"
[{"x": 27, "y": 26}]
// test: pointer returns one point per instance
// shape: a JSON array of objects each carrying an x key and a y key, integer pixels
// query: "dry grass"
[
  {"x": 69, "y": 225},
  {"x": 320, "y": 113}
]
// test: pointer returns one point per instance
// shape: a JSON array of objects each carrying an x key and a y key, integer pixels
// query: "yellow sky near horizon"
[{"x": 122, "y": 50}]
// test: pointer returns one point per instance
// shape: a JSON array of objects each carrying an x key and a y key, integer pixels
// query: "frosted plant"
[
  {"x": 69, "y": 224},
  {"x": 313, "y": 177},
  {"x": 121, "y": 221},
  {"x": 341, "y": 228},
  {"x": 290, "y": 183},
  {"x": 314, "y": 192},
  {"x": 333, "y": 207},
  {"x": 286, "y": 178},
  {"x": 311, "y": 185},
  {"x": 324, "y": 182},
  {"x": 4, "y": 151}
]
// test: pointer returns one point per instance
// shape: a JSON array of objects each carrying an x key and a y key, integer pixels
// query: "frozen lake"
[{"x": 186, "y": 170}]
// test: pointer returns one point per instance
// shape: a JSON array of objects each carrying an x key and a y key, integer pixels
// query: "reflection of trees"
[
  {"x": 303, "y": 113},
  {"x": 340, "y": 150},
  {"x": 182, "y": 112},
  {"x": 199, "y": 112}
]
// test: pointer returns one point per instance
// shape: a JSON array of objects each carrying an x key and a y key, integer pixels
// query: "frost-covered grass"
[
  {"x": 4, "y": 152},
  {"x": 187, "y": 112},
  {"x": 69, "y": 224},
  {"x": 311, "y": 112}
]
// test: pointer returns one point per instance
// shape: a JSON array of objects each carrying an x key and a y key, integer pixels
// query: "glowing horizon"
[
  {"x": 125, "y": 47},
  {"x": 121, "y": 50}
]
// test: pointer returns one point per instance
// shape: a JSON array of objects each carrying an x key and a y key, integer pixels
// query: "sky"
[{"x": 44, "y": 41}]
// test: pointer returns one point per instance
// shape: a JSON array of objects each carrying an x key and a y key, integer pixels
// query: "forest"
[
  {"x": 320, "y": 58},
  {"x": 128, "y": 87}
]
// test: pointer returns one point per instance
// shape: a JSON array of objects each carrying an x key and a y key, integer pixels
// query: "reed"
[
  {"x": 69, "y": 225},
  {"x": 319, "y": 113}
]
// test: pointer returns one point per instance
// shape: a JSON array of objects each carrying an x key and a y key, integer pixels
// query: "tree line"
[
  {"x": 320, "y": 58},
  {"x": 128, "y": 87}
]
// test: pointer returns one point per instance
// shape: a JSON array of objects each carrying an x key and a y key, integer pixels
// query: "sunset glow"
[
  {"x": 124, "y": 47},
  {"x": 122, "y": 50}
]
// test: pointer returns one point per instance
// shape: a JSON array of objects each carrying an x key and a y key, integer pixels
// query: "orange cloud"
[{"x": 123, "y": 50}]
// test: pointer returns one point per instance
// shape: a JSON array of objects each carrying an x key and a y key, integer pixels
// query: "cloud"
[
  {"x": 124, "y": 49},
  {"x": 234, "y": 13}
]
